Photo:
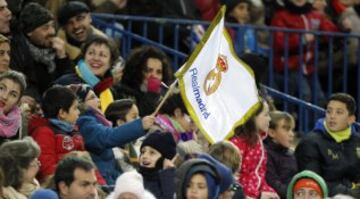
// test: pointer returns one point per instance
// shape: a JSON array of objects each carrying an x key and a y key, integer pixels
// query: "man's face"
[
  {"x": 78, "y": 27},
  {"x": 5, "y": 17},
  {"x": 83, "y": 186},
  {"x": 337, "y": 116},
  {"x": 42, "y": 36}
]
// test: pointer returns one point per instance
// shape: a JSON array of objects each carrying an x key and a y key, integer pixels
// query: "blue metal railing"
[{"x": 139, "y": 30}]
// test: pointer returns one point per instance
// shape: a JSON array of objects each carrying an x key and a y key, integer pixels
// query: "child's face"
[
  {"x": 263, "y": 119},
  {"x": 133, "y": 114},
  {"x": 319, "y": 5},
  {"x": 72, "y": 114},
  {"x": 197, "y": 187},
  {"x": 92, "y": 100},
  {"x": 337, "y": 116},
  {"x": 9, "y": 95},
  {"x": 127, "y": 196},
  {"x": 306, "y": 193},
  {"x": 149, "y": 156},
  {"x": 299, "y": 2},
  {"x": 283, "y": 134},
  {"x": 241, "y": 13}
]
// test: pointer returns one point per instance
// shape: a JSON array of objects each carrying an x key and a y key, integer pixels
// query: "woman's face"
[
  {"x": 98, "y": 58},
  {"x": 31, "y": 171},
  {"x": 9, "y": 95},
  {"x": 154, "y": 68},
  {"x": 4, "y": 56},
  {"x": 197, "y": 187},
  {"x": 262, "y": 121}
]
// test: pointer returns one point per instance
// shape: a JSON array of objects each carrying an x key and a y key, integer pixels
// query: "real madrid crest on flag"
[
  {"x": 213, "y": 79},
  {"x": 218, "y": 89}
]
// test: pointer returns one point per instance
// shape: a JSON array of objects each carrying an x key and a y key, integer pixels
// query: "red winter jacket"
[
  {"x": 253, "y": 167},
  {"x": 207, "y": 8},
  {"x": 309, "y": 21},
  {"x": 53, "y": 145}
]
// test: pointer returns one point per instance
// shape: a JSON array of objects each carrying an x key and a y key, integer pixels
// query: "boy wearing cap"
[
  {"x": 36, "y": 51},
  {"x": 157, "y": 154},
  {"x": 75, "y": 22},
  {"x": 332, "y": 149},
  {"x": 307, "y": 184}
]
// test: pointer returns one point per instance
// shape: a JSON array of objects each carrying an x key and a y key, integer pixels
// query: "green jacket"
[{"x": 306, "y": 174}]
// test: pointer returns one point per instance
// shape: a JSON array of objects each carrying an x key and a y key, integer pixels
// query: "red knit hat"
[{"x": 308, "y": 183}]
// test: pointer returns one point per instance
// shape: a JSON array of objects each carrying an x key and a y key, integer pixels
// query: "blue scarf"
[
  {"x": 86, "y": 74},
  {"x": 64, "y": 126}
]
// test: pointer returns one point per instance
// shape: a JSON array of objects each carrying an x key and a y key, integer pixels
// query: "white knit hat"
[{"x": 129, "y": 182}]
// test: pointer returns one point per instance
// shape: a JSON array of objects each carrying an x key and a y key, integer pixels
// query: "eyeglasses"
[{"x": 35, "y": 163}]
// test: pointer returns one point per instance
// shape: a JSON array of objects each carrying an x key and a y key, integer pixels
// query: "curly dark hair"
[{"x": 136, "y": 65}]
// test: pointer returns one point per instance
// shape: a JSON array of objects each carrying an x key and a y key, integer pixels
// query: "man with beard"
[
  {"x": 36, "y": 51},
  {"x": 75, "y": 20}
]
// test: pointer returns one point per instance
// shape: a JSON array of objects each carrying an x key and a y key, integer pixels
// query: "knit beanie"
[
  {"x": 308, "y": 183},
  {"x": 129, "y": 182},
  {"x": 163, "y": 142},
  {"x": 80, "y": 90},
  {"x": 225, "y": 173},
  {"x": 44, "y": 194},
  {"x": 33, "y": 16},
  {"x": 71, "y": 9}
]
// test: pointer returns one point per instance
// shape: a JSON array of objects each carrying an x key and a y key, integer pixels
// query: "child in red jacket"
[
  {"x": 56, "y": 133},
  {"x": 249, "y": 140}
]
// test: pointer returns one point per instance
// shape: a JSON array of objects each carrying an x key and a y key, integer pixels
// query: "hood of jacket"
[
  {"x": 35, "y": 122},
  {"x": 307, "y": 174}
]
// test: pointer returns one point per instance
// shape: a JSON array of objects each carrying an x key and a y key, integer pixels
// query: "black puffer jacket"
[{"x": 337, "y": 163}]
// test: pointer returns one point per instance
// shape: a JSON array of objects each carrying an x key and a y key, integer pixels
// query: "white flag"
[{"x": 218, "y": 89}]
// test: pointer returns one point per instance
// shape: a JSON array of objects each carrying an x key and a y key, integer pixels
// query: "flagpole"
[{"x": 167, "y": 95}]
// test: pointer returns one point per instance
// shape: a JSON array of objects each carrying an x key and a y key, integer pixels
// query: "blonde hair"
[
  {"x": 277, "y": 116},
  {"x": 227, "y": 153}
]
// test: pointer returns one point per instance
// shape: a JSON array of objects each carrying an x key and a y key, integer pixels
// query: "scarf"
[
  {"x": 101, "y": 88},
  {"x": 101, "y": 117},
  {"x": 29, "y": 187},
  {"x": 339, "y": 136},
  {"x": 10, "y": 123},
  {"x": 43, "y": 55},
  {"x": 63, "y": 126}
]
